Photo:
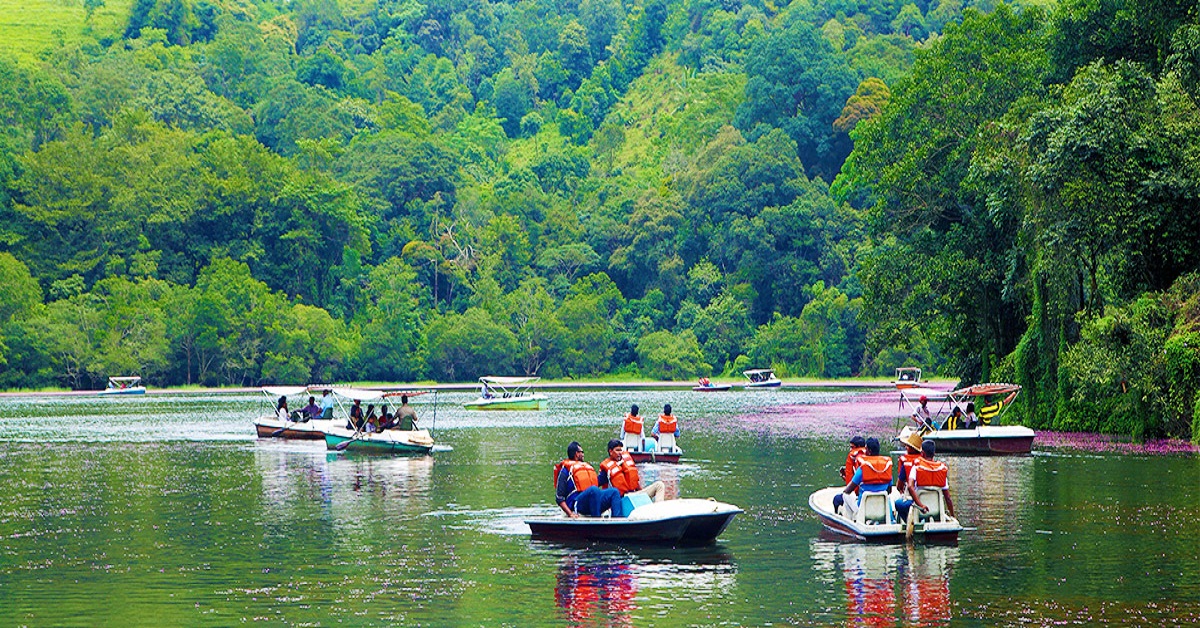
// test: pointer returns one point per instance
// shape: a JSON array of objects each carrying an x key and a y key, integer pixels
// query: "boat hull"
[
  {"x": 136, "y": 390},
  {"x": 760, "y": 385},
  {"x": 269, "y": 427},
  {"x": 678, "y": 522},
  {"x": 1001, "y": 440},
  {"x": 414, "y": 443},
  {"x": 655, "y": 456},
  {"x": 535, "y": 402},
  {"x": 721, "y": 388},
  {"x": 821, "y": 502}
]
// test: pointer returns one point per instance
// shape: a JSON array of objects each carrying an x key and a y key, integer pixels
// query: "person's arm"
[
  {"x": 562, "y": 491},
  {"x": 855, "y": 482},
  {"x": 949, "y": 503}
]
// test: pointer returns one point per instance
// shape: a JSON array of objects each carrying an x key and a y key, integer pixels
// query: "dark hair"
[
  {"x": 572, "y": 448},
  {"x": 403, "y": 398},
  {"x": 858, "y": 441},
  {"x": 873, "y": 446},
  {"x": 971, "y": 407},
  {"x": 633, "y": 410},
  {"x": 956, "y": 410},
  {"x": 928, "y": 448},
  {"x": 614, "y": 443},
  {"x": 282, "y": 402},
  {"x": 312, "y": 399},
  {"x": 667, "y": 409}
]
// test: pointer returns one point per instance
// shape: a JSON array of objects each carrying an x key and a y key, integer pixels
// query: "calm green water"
[{"x": 165, "y": 510}]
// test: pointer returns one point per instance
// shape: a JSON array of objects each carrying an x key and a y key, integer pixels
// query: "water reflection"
[
  {"x": 598, "y": 585},
  {"x": 873, "y": 576},
  {"x": 992, "y": 493}
]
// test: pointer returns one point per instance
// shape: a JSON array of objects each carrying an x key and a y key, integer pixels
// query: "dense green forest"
[{"x": 238, "y": 192}]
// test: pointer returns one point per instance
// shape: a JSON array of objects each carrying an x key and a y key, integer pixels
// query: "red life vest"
[
  {"x": 582, "y": 474},
  {"x": 931, "y": 473},
  {"x": 666, "y": 424},
  {"x": 633, "y": 424},
  {"x": 622, "y": 475},
  {"x": 906, "y": 464},
  {"x": 852, "y": 462},
  {"x": 876, "y": 469}
]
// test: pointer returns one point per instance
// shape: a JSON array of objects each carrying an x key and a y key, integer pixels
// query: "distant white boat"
[
  {"x": 762, "y": 378},
  {"x": 508, "y": 393},
  {"x": 124, "y": 386}
]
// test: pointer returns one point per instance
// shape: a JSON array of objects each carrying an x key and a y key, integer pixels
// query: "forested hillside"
[{"x": 244, "y": 191}]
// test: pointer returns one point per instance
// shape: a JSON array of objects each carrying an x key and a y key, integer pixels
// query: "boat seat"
[
  {"x": 632, "y": 440},
  {"x": 932, "y": 498},
  {"x": 876, "y": 508},
  {"x": 666, "y": 442}
]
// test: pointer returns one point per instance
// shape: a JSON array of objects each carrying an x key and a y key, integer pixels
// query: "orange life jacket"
[
  {"x": 666, "y": 424},
  {"x": 876, "y": 469},
  {"x": 622, "y": 475},
  {"x": 852, "y": 462},
  {"x": 931, "y": 473},
  {"x": 906, "y": 464},
  {"x": 633, "y": 423},
  {"x": 582, "y": 474}
]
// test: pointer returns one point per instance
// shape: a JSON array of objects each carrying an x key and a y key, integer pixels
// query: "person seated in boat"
[
  {"x": 704, "y": 382},
  {"x": 361, "y": 424},
  {"x": 923, "y": 417},
  {"x": 577, "y": 488},
  {"x": 912, "y": 446},
  {"x": 281, "y": 409},
  {"x": 485, "y": 392},
  {"x": 874, "y": 475},
  {"x": 633, "y": 428},
  {"x": 666, "y": 423},
  {"x": 970, "y": 421},
  {"x": 858, "y": 448},
  {"x": 327, "y": 405},
  {"x": 356, "y": 416},
  {"x": 620, "y": 471},
  {"x": 927, "y": 473},
  {"x": 311, "y": 411},
  {"x": 955, "y": 421},
  {"x": 405, "y": 418},
  {"x": 384, "y": 421}
]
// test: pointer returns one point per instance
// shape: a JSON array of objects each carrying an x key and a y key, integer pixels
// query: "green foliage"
[
  {"x": 668, "y": 356},
  {"x": 470, "y": 345}
]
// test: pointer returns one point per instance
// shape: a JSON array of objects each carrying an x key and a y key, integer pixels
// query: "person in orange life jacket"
[
  {"x": 620, "y": 471},
  {"x": 926, "y": 473},
  {"x": 666, "y": 423},
  {"x": 577, "y": 488},
  {"x": 874, "y": 475},
  {"x": 633, "y": 422},
  {"x": 858, "y": 448},
  {"x": 913, "y": 446}
]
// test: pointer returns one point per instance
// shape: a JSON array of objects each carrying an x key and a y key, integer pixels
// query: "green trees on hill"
[{"x": 254, "y": 192}]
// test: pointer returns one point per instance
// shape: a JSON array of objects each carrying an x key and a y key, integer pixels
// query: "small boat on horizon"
[
  {"x": 706, "y": 386},
  {"x": 675, "y": 521},
  {"x": 907, "y": 377},
  {"x": 761, "y": 378},
  {"x": 508, "y": 393},
  {"x": 129, "y": 385}
]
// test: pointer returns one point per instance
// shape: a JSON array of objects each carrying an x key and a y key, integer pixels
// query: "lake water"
[{"x": 165, "y": 510}]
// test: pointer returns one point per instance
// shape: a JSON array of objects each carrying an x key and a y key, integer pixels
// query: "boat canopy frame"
[
  {"x": 770, "y": 373},
  {"x": 950, "y": 399},
  {"x": 510, "y": 386}
]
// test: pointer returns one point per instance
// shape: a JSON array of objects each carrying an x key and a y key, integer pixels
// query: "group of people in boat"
[
  {"x": 307, "y": 413},
  {"x": 956, "y": 421},
  {"x": 866, "y": 471},
  {"x": 633, "y": 430},
  {"x": 580, "y": 490},
  {"x": 405, "y": 418}
]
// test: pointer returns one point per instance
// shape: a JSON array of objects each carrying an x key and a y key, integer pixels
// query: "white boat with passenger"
[
  {"x": 875, "y": 520},
  {"x": 364, "y": 436},
  {"x": 131, "y": 385},
  {"x": 761, "y": 378},
  {"x": 508, "y": 393},
  {"x": 952, "y": 435},
  {"x": 674, "y": 521},
  {"x": 907, "y": 377},
  {"x": 290, "y": 421}
]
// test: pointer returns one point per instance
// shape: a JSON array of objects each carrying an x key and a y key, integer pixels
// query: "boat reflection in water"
[
  {"x": 601, "y": 584},
  {"x": 875, "y": 575}
]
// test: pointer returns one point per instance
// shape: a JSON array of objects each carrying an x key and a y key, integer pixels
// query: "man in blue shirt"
[
  {"x": 577, "y": 488},
  {"x": 326, "y": 405}
]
